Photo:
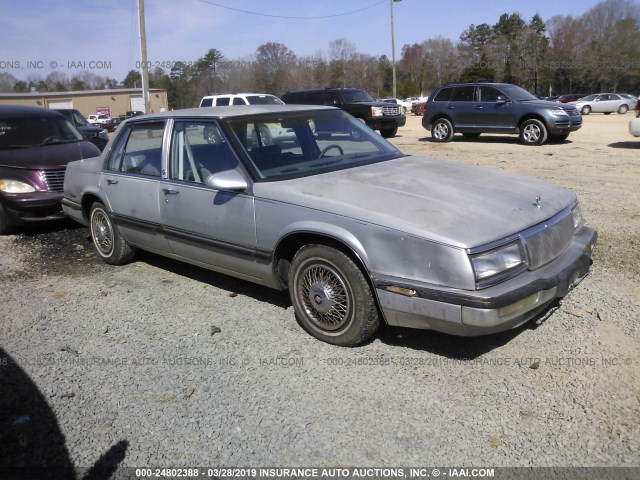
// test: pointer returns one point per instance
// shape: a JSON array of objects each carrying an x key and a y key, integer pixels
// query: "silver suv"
[{"x": 475, "y": 108}]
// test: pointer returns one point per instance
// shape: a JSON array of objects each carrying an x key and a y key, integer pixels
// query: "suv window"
[
  {"x": 331, "y": 99},
  {"x": 238, "y": 101},
  {"x": 443, "y": 95},
  {"x": 489, "y": 94},
  {"x": 222, "y": 101},
  {"x": 463, "y": 94}
]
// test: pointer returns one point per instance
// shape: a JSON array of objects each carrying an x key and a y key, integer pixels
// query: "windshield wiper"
[{"x": 10, "y": 147}]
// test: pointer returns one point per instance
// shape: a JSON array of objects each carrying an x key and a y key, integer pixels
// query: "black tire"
[
  {"x": 331, "y": 296},
  {"x": 389, "y": 132},
  {"x": 559, "y": 137},
  {"x": 442, "y": 130},
  {"x": 471, "y": 135},
  {"x": 5, "y": 225},
  {"x": 586, "y": 110},
  {"x": 533, "y": 132},
  {"x": 622, "y": 109},
  {"x": 109, "y": 242}
]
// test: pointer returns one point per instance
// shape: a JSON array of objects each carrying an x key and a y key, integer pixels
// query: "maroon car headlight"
[{"x": 15, "y": 186}]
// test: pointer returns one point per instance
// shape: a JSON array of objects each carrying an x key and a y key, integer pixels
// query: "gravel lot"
[{"x": 125, "y": 365}]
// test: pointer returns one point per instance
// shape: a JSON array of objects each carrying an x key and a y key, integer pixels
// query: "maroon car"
[
  {"x": 35, "y": 146},
  {"x": 572, "y": 97}
]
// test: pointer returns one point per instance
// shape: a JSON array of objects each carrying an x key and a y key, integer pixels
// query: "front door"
[{"x": 211, "y": 227}]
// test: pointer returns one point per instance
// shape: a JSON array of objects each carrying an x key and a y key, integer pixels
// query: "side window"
[
  {"x": 443, "y": 95},
  {"x": 239, "y": 101},
  {"x": 489, "y": 94},
  {"x": 313, "y": 98},
  {"x": 115, "y": 157},
  {"x": 143, "y": 150},
  {"x": 463, "y": 94},
  {"x": 199, "y": 149},
  {"x": 331, "y": 99},
  {"x": 222, "y": 101},
  {"x": 206, "y": 102}
]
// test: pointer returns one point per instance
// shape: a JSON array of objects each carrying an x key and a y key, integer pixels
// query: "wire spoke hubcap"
[
  {"x": 324, "y": 297},
  {"x": 102, "y": 234}
]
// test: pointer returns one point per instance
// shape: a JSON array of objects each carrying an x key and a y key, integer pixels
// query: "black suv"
[
  {"x": 95, "y": 134},
  {"x": 385, "y": 117},
  {"x": 475, "y": 108}
]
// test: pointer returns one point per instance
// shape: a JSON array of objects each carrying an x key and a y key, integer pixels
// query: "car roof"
[
  {"x": 22, "y": 111},
  {"x": 322, "y": 89},
  {"x": 230, "y": 111}
]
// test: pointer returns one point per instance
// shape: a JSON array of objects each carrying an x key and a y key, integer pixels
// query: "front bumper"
[
  {"x": 491, "y": 310},
  {"x": 32, "y": 207},
  {"x": 384, "y": 122}
]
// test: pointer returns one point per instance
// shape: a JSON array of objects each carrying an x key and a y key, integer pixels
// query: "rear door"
[
  {"x": 461, "y": 108},
  {"x": 131, "y": 181}
]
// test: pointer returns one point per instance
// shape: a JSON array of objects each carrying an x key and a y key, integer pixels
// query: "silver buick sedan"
[{"x": 311, "y": 200}]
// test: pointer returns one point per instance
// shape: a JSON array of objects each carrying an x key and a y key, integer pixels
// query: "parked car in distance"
[
  {"x": 133, "y": 113},
  {"x": 476, "y": 108},
  {"x": 358, "y": 232},
  {"x": 606, "y": 103},
  {"x": 418, "y": 108},
  {"x": 240, "y": 99},
  {"x": 381, "y": 116},
  {"x": 114, "y": 122},
  {"x": 571, "y": 97},
  {"x": 98, "y": 119},
  {"x": 92, "y": 132},
  {"x": 35, "y": 146}
]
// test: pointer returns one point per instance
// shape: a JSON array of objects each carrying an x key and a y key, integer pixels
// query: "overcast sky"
[{"x": 102, "y": 35}]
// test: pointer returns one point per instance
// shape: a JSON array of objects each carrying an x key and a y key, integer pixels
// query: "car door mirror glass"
[
  {"x": 501, "y": 99},
  {"x": 228, "y": 180}
]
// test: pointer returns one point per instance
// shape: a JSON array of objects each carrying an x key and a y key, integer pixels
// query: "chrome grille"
[
  {"x": 54, "y": 179},
  {"x": 549, "y": 240},
  {"x": 391, "y": 110}
]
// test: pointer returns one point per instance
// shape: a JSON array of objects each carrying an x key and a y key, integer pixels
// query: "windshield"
[
  {"x": 264, "y": 100},
  {"x": 517, "y": 94},
  {"x": 298, "y": 144},
  {"x": 353, "y": 96},
  {"x": 25, "y": 132}
]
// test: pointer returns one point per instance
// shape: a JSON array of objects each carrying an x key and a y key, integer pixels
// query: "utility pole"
[
  {"x": 393, "y": 50},
  {"x": 143, "y": 57}
]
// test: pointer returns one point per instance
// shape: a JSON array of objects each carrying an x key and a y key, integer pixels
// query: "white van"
[{"x": 240, "y": 99}]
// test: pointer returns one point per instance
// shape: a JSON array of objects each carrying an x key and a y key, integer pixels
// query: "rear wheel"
[
  {"x": 331, "y": 296},
  {"x": 108, "y": 240},
  {"x": 442, "y": 130},
  {"x": 623, "y": 109},
  {"x": 533, "y": 132}
]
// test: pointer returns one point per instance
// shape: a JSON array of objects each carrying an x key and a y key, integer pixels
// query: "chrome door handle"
[
  {"x": 170, "y": 191},
  {"x": 111, "y": 182}
]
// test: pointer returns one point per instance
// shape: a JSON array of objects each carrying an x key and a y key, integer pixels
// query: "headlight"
[
  {"x": 495, "y": 262},
  {"x": 14, "y": 186},
  {"x": 376, "y": 111},
  {"x": 103, "y": 134},
  {"x": 576, "y": 213},
  {"x": 557, "y": 112}
]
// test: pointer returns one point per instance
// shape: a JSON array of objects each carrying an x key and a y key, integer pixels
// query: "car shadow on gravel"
[
  {"x": 491, "y": 139},
  {"x": 32, "y": 444},
  {"x": 630, "y": 144},
  {"x": 455, "y": 347},
  {"x": 234, "y": 286}
]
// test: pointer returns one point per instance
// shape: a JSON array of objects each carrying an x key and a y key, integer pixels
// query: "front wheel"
[
  {"x": 623, "y": 109},
  {"x": 533, "y": 132},
  {"x": 331, "y": 296},
  {"x": 586, "y": 110},
  {"x": 442, "y": 130},
  {"x": 4, "y": 221},
  {"x": 389, "y": 132},
  {"x": 108, "y": 240}
]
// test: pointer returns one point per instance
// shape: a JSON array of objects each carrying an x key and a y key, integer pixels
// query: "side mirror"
[
  {"x": 501, "y": 99},
  {"x": 229, "y": 180}
]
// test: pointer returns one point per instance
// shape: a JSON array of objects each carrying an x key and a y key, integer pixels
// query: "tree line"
[{"x": 596, "y": 52}]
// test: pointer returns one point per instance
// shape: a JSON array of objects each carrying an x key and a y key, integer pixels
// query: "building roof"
[{"x": 106, "y": 91}]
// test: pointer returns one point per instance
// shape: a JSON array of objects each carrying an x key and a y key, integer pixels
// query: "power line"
[{"x": 291, "y": 16}]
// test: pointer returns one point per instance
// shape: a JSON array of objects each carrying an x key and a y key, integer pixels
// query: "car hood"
[
  {"x": 48, "y": 156},
  {"x": 548, "y": 104},
  {"x": 456, "y": 204}
]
